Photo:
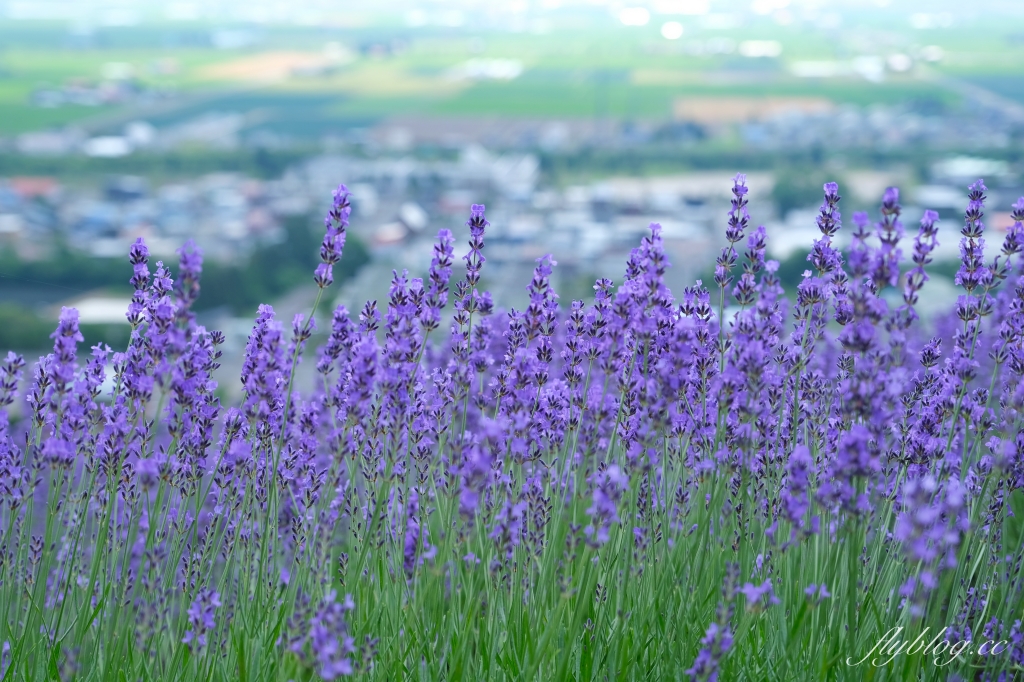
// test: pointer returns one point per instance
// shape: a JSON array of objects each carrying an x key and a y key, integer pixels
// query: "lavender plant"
[{"x": 560, "y": 493}]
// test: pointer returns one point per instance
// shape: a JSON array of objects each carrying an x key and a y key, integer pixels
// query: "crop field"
[{"x": 620, "y": 72}]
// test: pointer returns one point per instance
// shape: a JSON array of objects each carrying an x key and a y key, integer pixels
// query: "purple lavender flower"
[
  {"x": 889, "y": 231},
  {"x": 541, "y": 317},
  {"x": 1013, "y": 243},
  {"x": 745, "y": 291},
  {"x": 609, "y": 485},
  {"x": 323, "y": 275},
  {"x": 138, "y": 256},
  {"x": 924, "y": 525},
  {"x": 10, "y": 377},
  {"x": 859, "y": 254},
  {"x": 825, "y": 258},
  {"x": 336, "y": 224},
  {"x": 818, "y": 593},
  {"x": 476, "y": 475},
  {"x": 794, "y": 493},
  {"x": 475, "y": 258},
  {"x": 924, "y": 244},
  {"x": 857, "y": 457},
  {"x": 339, "y": 342},
  {"x": 759, "y": 596},
  {"x": 509, "y": 526},
  {"x": 440, "y": 273},
  {"x": 329, "y": 637},
  {"x": 414, "y": 534},
  {"x": 65, "y": 348},
  {"x": 972, "y": 272},
  {"x": 190, "y": 268},
  {"x": 738, "y": 219},
  {"x": 58, "y": 452},
  {"x": 469, "y": 301},
  {"x": 201, "y": 618},
  {"x": 716, "y": 643},
  {"x": 1017, "y": 215}
]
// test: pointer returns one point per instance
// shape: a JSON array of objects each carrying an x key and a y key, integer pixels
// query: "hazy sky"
[{"x": 127, "y": 12}]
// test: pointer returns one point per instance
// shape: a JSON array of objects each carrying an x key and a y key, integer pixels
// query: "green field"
[{"x": 615, "y": 71}]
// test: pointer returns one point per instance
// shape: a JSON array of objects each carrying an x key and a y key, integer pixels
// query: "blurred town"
[{"x": 401, "y": 202}]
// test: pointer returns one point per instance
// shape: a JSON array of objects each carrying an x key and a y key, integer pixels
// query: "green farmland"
[{"x": 615, "y": 71}]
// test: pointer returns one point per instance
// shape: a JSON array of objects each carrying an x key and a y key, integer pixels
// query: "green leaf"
[
  {"x": 99, "y": 606},
  {"x": 240, "y": 651},
  {"x": 1017, "y": 503},
  {"x": 797, "y": 622},
  {"x": 54, "y": 670},
  {"x": 1013, "y": 526}
]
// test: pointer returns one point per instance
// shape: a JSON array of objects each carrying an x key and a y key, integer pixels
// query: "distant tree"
[
  {"x": 274, "y": 269},
  {"x": 796, "y": 188}
]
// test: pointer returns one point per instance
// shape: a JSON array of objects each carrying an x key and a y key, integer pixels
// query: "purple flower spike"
[
  {"x": 440, "y": 274},
  {"x": 58, "y": 452},
  {"x": 415, "y": 536},
  {"x": 1013, "y": 243},
  {"x": 190, "y": 267},
  {"x": 828, "y": 217},
  {"x": 927, "y": 526},
  {"x": 924, "y": 244},
  {"x": 324, "y": 275},
  {"x": 476, "y": 475},
  {"x": 1017, "y": 215},
  {"x": 794, "y": 493},
  {"x": 759, "y": 596},
  {"x": 138, "y": 256},
  {"x": 336, "y": 224},
  {"x": 10, "y": 377},
  {"x": 739, "y": 184},
  {"x": 609, "y": 485},
  {"x": 886, "y": 261},
  {"x": 716, "y": 642},
  {"x": 817, "y": 593},
  {"x": 328, "y": 635},
  {"x": 738, "y": 214},
  {"x": 973, "y": 273},
  {"x": 890, "y": 199},
  {"x": 737, "y": 225},
  {"x": 65, "y": 347},
  {"x": 509, "y": 526},
  {"x": 339, "y": 342},
  {"x": 138, "y": 253},
  {"x": 200, "y": 618},
  {"x": 475, "y": 258}
]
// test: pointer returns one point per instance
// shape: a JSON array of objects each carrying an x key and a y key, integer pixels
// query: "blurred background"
[{"x": 576, "y": 122}]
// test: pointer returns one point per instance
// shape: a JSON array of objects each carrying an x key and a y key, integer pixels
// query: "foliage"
[
  {"x": 273, "y": 270},
  {"x": 258, "y": 162},
  {"x": 22, "y": 329},
  {"x": 794, "y": 189}
]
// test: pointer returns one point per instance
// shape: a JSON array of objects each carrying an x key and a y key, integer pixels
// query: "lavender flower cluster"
[{"x": 826, "y": 457}]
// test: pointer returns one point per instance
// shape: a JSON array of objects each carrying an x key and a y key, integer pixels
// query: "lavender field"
[{"x": 727, "y": 482}]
